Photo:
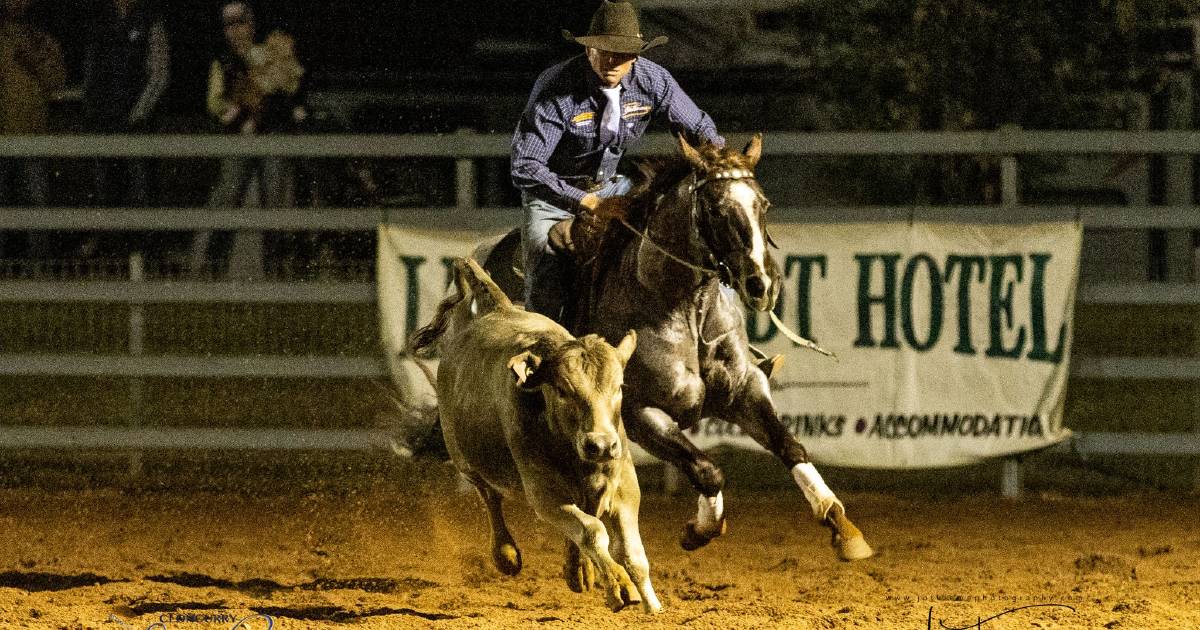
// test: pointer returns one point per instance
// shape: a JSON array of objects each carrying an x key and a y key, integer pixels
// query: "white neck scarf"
[{"x": 612, "y": 112}]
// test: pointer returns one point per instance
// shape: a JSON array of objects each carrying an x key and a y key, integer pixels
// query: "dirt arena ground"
[{"x": 412, "y": 553}]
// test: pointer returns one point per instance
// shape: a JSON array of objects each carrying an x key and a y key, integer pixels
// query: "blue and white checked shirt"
[{"x": 559, "y": 139}]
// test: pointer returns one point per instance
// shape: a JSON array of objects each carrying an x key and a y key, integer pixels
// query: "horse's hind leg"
[
  {"x": 755, "y": 414},
  {"x": 656, "y": 432},
  {"x": 505, "y": 554}
]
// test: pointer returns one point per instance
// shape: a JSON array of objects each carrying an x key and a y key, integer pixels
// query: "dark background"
[{"x": 355, "y": 44}]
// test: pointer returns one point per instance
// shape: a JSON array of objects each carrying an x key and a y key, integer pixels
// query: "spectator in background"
[
  {"x": 126, "y": 70},
  {"x": 31, "y": 69},
  {"x": 253, "y": 88}
]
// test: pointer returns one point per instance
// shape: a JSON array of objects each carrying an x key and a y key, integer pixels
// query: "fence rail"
[
  {"x": 471, "y": 145},
  {"x": 502, "y": 217},
  {"x": 464, "y": 148}
]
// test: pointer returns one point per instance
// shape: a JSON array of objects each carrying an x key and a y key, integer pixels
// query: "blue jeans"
[{"x": 545, "y": 281}]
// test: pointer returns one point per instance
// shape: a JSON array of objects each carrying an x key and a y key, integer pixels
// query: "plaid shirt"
[{"x": 559, "y": 143}]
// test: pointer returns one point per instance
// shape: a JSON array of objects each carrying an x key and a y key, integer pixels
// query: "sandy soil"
[{"x": 383, "y": 556}]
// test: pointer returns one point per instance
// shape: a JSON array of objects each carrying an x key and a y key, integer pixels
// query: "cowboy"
[{"x": 582, "y": 116}]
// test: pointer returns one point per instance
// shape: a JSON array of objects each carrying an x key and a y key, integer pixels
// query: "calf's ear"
[
  {"x": 524, "y": 367},
  {"x": 626, "y": 347}
]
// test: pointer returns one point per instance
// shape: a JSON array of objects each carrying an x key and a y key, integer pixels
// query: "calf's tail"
[
  {"x": 422, "y": 341},
  {"x": 488, "y": 296},
  {"x": 470, "y": 282}
]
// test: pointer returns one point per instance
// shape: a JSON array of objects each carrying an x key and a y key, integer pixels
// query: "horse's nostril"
[{"x": 755, "y": 287}]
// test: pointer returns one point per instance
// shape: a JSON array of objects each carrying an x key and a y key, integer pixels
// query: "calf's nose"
[{"x": 601, "y": 447}]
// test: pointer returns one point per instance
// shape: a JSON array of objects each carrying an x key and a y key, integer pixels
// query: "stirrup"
[{"x": 768, "y": 365}]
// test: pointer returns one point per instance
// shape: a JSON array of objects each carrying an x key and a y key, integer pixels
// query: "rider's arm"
[{"x": 683, "y": 114}]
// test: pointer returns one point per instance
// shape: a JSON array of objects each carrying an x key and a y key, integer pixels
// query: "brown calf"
[{"x": 528, "y": 410}]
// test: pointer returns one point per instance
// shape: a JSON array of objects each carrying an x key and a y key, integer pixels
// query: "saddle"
[
  {"x": 595, "y": 244},
  {"x": 591, "y": 238}
]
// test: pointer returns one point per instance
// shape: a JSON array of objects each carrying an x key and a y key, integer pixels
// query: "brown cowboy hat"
[{"x": 614, "y": 28}]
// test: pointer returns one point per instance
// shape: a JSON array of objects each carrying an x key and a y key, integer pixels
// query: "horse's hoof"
[
  {"x": 694, "y": 539},
  {"x": 507, "y": 558},
  {"x": 846, "y": 538},
  {"x": 856, "y": 548}
]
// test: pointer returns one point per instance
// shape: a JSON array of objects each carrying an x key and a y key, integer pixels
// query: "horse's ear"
[
  {"x": 689, "y": 153},
  {"x": 753, "y": 150},
  {"x": 626, "y": 347},
  {"x": 524, "y": 367}
]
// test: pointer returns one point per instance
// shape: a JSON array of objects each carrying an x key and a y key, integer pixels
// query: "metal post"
[
  {"x": 1009, "y": 186},
  {"x": 1196, "y": 351},
  {"x": 1196, "y": 428},
  {"x": 1010, "y": 481},
  {"x": 137, "y": 325},
  {"x": 1179, "y": 184},
  {"x": 464, "y": 179}
]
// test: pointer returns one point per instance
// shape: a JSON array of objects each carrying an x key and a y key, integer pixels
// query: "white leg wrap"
[
  {"x": 711, "y": 511},
  {"x": 819, "y": 496}
]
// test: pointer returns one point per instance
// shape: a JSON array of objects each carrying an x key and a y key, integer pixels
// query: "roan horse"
[
  {"x": 529, "y": 411},
  {"x": 700, "y": 219}
]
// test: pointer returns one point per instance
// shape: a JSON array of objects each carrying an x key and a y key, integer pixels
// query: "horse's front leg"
[
  {"x": 657, "y": 432},
  {"x": 755, "y": 413}
]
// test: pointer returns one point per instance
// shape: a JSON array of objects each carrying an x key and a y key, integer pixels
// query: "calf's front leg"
[
  {"x": 628, "y": 542},
  {"x": 589, "y": 534}
]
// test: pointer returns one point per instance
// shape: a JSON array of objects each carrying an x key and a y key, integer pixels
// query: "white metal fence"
[{"x": 136, "y": 291}]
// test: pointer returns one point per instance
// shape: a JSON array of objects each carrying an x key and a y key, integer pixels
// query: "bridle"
[
  {"x": 713, "y": 267},
  {"x": 718, "y": 268}
]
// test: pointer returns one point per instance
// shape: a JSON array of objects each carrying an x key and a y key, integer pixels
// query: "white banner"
[{"x": 953, "y": 340}]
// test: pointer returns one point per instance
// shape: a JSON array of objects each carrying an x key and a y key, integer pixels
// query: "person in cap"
[{"x": 582, "y": 116}]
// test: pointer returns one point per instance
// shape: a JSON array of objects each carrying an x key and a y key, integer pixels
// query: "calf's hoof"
[
  {"x": 507, "y": 558},
  {"x": 621, "y": 594},
  {"x": 579, "y": 572},
  {"x": 650, "y": 603},
  {"x": 694, "y": 538}
]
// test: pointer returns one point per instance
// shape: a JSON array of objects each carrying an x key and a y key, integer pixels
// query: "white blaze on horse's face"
[{"x": 746, "y": 198}]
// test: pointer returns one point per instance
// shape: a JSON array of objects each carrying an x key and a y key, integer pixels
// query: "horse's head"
[
  {"x": 580, "y": 382},
  {"x": 731, "y": 219}
]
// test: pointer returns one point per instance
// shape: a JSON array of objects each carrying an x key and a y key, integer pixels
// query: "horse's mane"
[
  {"x": 658, "y": 174},
  {"x": 655, "y": 177}
]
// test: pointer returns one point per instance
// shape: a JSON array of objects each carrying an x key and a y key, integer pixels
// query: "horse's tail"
[{"x": 470, "y": 280}]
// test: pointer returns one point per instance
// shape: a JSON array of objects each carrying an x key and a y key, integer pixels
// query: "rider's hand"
[
  {"x": 607, "y": 207},
  {"x": 560, "y": 237}
]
